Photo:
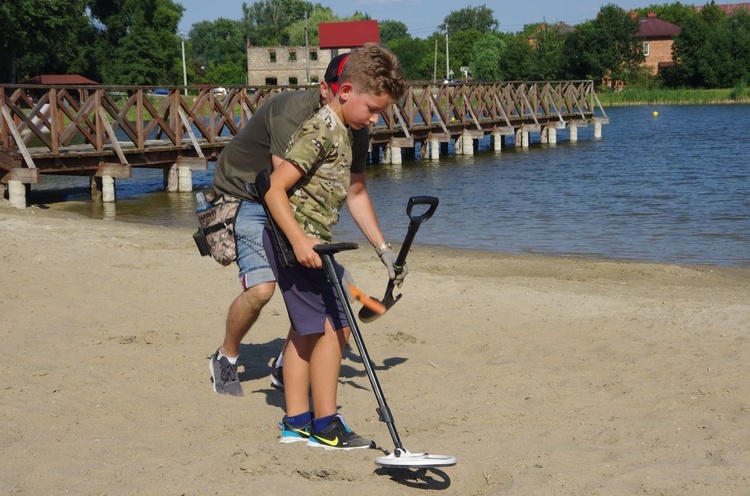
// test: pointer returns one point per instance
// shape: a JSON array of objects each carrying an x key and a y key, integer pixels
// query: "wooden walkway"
[{"x": 104, "y": 131}]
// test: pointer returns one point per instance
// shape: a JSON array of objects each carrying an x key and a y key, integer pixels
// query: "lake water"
[{"x": 673, "y": 189}]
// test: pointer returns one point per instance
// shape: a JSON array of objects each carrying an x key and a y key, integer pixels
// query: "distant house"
[
  {"x": 658, "y": 37},
  {"x": 60, "y": 79},
  {"x": 285, "y": 65},
  {"x": 73, "y": 80},
  {"x": 729, "y": 8}
]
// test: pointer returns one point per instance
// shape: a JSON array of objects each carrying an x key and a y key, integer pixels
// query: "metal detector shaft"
[
  {"x": 326, "y": 253},
  {"x": 367, "y": 315}
]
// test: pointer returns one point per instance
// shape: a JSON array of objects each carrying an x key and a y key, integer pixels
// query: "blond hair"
[{"x": 375, "y": 69}]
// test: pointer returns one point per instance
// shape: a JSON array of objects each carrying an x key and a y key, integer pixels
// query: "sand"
[{"x": 541, "y": 375}]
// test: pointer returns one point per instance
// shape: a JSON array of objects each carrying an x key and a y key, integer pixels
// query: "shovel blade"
[{"x": 367, "y": 315}]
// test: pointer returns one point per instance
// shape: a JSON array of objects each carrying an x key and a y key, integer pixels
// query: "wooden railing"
[{"x": 83, "y": 129}]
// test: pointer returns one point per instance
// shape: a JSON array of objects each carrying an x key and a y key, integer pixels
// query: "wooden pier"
[{"x": 104, "y": 131}]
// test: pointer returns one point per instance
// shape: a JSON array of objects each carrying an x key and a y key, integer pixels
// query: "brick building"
[
  {"x": 658, "y": 38},
  {"x": 282, "y": 65}
]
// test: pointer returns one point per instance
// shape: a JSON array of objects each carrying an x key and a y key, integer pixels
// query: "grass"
[{"x": 680, "y": 96}]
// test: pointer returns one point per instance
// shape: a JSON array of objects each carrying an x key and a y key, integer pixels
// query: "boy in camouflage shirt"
[{"x": 306, "y": 194}]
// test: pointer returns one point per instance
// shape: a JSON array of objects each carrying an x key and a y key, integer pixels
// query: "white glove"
[{"x": 388, "y": 257}]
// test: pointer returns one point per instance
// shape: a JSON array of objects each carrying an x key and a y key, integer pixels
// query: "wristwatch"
[{"x": 382, "y": 247}]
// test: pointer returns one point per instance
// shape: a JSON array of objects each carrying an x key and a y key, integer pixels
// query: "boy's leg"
[
  {"x": 297, "y": 373},
  {"x": 325, "y": 365},
  {"x": 329, "y": 429}
]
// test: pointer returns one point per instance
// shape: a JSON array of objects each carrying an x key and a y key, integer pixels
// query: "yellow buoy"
[{"x": 656, "y": 114}]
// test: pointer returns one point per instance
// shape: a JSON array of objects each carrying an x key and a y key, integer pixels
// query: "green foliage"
[
  {"x": 480, "y": 18},
  {"x": 606, "y": 46},
  {"x": 461, "y": 47},
  {"x": 44, "y": 37},
  {"x": 392, "y": 30},
  {"x": 713, "y": 50},
  {"x": 296, "y": 31},
  {"x": 266, "y": 22},
  {"x": 226, "y": 74},
  {"x": 138, "y": 44},
  {"x": 214, "y": 46},
  {"x": 486, "y": 55},
  {"x": 417, "y": 58}
]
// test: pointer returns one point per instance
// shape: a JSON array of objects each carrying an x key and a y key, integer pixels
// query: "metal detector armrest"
[{"x": 333, "y": 248}]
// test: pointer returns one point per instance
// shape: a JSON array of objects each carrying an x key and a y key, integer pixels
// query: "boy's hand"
[
  {"x": 305, "y": 255},
  {"x": 388, "y": 257}
]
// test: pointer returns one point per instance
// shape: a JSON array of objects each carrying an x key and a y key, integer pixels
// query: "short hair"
[{"x": 375, "y": 69}]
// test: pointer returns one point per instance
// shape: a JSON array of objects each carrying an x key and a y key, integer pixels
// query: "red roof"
[
  {"x": 348, "y": 34},
  {"x": 729, "y": 8},
  {"x": 69, "y": 79},
  {"x": 653, "y": 27}
]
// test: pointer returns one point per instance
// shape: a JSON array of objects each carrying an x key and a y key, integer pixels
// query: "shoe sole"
[
  {"x": 211, "y": 369},
  {"x": 292, "y": 440},
  {"x": 327, "y": 447}
]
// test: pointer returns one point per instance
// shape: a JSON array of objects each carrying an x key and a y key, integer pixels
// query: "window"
[
  {"x": 292, "y": 56},
  {"x": 293, "y": 81},
  {"x": 646, "y": 49},
  {"x": 271, "y": 81},
  {"x": 272, "y": 56},
  {"x": 313, "y": 55}
]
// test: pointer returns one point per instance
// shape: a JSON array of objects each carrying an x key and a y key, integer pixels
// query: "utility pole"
[
  {"x": 184, "y": 68},
  {"x": 447, "y": 57},
  {"x": 434, "y": 65},
  {"x": 307, "y": 54}
]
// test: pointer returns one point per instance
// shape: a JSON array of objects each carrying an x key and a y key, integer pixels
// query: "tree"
[
  {"x": 138, "y": 44},
  {"x": 486, "y": 55},
  {"x": 416, "y": 57},
  {"x": 392, "y": 30},
  {"x": 44, "y": 36},
  {"x": 516, "y": 63},
  {"x": 606, "y": 46},
  {"x": 296, "y": 31},
  {"x": 266, "y": 22},
  {"x": 217, "y": 47},
  {"x": 713, "y": 50},
  {"x": 479, "y": 18},
  {"x": 460, "y": 48}
]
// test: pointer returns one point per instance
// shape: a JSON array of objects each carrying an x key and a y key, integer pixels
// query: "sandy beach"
[{"x": 543, "y": 376}]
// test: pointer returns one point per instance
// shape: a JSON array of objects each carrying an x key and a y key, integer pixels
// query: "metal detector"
[
  {"x": 401, "y": 457},
  {"x": 368, "y": 315}
]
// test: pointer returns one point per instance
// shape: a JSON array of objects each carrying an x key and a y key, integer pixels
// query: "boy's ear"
[{"x": 345, "y": 90}]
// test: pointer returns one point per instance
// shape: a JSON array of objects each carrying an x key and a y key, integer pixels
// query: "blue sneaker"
[{"x": 290, "y": 434}]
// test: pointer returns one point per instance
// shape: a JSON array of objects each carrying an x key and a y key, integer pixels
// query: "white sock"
[
  {"x": 280, "y": 360},
  {"x": 232, "y": 360}
]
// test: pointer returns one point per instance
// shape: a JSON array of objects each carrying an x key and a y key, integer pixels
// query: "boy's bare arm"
[{"x": 362, "y": 210}]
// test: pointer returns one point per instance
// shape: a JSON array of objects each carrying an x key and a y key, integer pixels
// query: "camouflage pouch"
[{"x": 215, "y": 234}]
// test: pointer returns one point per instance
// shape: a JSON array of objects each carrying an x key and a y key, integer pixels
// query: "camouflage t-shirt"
[{"x": 322, "y": 149}]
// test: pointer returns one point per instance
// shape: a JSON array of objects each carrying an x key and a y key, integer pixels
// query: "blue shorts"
[
  {"x": 251, "y": 257},
  {"x": 309, "y": 297}
]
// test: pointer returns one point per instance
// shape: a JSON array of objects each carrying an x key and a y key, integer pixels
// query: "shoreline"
[
  {"x": 62, "y": 213},
  {"x": 541, "y": 375}
]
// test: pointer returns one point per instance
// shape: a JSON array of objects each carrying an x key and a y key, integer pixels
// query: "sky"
[{"x": 423, "y": 17}]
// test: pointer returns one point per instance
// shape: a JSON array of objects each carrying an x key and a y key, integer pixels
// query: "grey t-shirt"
[{"x": 268, "y": 132}]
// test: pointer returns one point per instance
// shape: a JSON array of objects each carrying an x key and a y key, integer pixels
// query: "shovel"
[{"x": 368, "y": 315}]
